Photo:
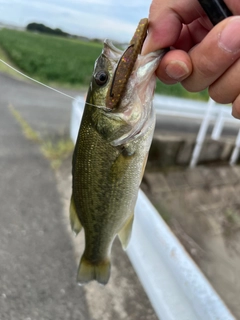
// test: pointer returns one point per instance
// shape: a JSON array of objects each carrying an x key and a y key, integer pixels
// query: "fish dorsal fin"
[
  {"x": 74, "y": 220},
  {"x": 125, "y": 233}
]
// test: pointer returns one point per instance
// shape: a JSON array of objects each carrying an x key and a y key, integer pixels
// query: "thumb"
[{"x": 217, "y": 52}]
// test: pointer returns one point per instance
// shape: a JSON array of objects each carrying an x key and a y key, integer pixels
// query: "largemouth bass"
[{"x": 111, "y": 153}]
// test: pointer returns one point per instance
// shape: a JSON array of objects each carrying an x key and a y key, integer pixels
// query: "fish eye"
[{"x": 101, "y": 77}]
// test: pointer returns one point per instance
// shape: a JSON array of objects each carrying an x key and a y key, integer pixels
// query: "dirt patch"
[{"x": 202, "y": 208}]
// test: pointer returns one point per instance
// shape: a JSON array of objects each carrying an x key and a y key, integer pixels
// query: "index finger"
[{"x": 166, "y": 19}]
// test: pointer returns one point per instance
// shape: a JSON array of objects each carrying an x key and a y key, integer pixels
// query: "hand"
[{"x": 201, "y": 56}]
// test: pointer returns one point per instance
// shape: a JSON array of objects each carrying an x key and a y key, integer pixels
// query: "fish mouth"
[
  {"x": 136, "y": 103},
  {"x": 110, "y": 47},
  {"x": 125, "y": 66}
]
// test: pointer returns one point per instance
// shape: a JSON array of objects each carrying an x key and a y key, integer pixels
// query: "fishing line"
[
  {"x": 100, "y": 107},
  {"x": 207, "y": 22},
  {"x": 48, "y": 87},
  {"x": 38, "y": 82}
]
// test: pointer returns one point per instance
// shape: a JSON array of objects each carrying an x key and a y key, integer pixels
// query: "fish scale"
[
  {"x": 101, "y": 184},
  {"x": 109, "y": 159}
]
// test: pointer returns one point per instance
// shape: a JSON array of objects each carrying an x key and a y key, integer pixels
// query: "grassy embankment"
[
  {"x": 55, "y": 151},
  {"x": 61, "y": 61}
]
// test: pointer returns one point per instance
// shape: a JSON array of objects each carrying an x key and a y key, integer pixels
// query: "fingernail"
[
  {"x": 177, "y": 70},
  {"x": 229, "y": 39},
  {"x": 235, "y": 114}
]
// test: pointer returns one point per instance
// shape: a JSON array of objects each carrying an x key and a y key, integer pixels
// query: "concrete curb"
[{"x": 169, "y": 151}]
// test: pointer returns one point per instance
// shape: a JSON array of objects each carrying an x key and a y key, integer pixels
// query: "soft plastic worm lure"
[{"x": 125, "y": 65}]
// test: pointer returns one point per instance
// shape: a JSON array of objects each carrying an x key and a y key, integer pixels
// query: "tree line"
[{"x": 39, "y": 27}]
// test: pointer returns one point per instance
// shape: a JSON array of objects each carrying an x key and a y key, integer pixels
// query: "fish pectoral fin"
[
  {"x": 88, "y": 271},
  {"x": 122, "y": 161},
  {"x": 74, "y": 220},
  {"x": 125, "y": 233}
]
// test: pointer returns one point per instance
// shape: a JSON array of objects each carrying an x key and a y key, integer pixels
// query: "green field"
[
  {"x": 49, "y": 58},
  {"x": 62, "y": 61}
]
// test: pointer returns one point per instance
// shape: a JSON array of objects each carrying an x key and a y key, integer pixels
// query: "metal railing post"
[
  {"x": 202, "y": 134},
  {"x": 235, "y": 153},
  {"x": 219, "y": 124}
]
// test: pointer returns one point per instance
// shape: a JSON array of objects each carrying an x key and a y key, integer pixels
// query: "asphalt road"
[
  {"x": 37, "y": 279},
  {"x": 38, "y": 255},
  {"x": 46, "y": 111}
]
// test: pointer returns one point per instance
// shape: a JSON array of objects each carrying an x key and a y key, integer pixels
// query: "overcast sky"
[{"x": 112, "y": 19}]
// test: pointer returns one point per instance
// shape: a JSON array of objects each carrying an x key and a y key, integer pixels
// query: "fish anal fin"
[
  {"x": 74, "y": 220},
  {"x": 125, "y": 233},
  {"x": 88, "y": 271}
]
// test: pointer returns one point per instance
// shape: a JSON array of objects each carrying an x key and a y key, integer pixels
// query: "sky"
[{"x": 113, "y": 19}]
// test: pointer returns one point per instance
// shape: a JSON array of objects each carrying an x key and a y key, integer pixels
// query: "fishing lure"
[{"x": 125, "y": 65}]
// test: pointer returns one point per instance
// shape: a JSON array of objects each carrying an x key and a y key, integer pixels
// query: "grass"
[
  {"x": 27, "y": 130},
  {"x": 6, "y": 69},
  {"x": 55, "y": 151},
  {"x": 49, "y": 58},
  {"x": 61, "y": 61},
  {"x": 178, "y": 91}
]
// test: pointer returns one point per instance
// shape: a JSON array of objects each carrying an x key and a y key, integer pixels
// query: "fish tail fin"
[{"x": 88, "y": 271}]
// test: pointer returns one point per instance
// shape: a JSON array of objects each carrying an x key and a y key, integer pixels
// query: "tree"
[{"x": 39, "y": 27}]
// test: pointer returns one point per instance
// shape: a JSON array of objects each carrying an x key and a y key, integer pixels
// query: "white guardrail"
[
  {"x": 176, "y": 287},
  {"x": 193, "y": 109},
  {"x": 211, "y": 112}
]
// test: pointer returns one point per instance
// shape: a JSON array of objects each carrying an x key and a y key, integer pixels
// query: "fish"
[{"x": 111, "y": 151}]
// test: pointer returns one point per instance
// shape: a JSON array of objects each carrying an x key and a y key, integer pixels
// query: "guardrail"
[
  {"x": 176, "y": 287},
  {"x": 165, "y": 105},
  {"x": 206, "y": 112}
]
